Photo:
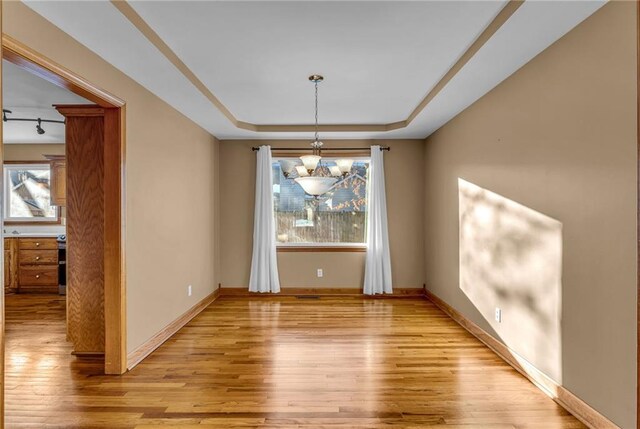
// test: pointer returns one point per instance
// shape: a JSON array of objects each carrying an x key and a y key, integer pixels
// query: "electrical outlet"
[
  {"x": 498, "y": 315},
  {"x": 320, "y": 272},
  {"x": 189, "y": 290}
]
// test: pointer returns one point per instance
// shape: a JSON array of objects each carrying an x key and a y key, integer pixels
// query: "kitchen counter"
[
  {"x": 33, "y": 231},
  {"x": 32, "y": 234}
]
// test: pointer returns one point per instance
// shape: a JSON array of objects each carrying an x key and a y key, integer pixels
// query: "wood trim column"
[
  {"x": 96, "y": 311},
  {"x": 85, "y": 138},
  {"x": 114, "y": 279}
]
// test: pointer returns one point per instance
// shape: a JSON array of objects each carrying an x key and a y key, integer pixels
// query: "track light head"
[{"x": 39, "y": 128}]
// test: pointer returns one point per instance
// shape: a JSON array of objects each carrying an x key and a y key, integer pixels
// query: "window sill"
[{"x": 321, "y": 248}]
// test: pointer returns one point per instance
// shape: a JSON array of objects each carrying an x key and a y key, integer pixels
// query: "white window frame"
[
  {"x": 7, "y": 194},
  {"x": 310, "y": 245}
]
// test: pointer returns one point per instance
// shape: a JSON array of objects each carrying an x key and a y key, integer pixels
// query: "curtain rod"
[{"x": 387, "y": 148}]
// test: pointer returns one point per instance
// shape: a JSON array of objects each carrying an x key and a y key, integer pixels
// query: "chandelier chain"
[{"x": 316, "y": 117}]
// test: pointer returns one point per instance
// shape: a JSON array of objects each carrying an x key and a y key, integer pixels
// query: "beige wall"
[
  {"x": 31, "y": 152},
  {"x": 171, "y": 175},
  {"x": 553, "y": 153},
  {"x": 403, "y": 168}
]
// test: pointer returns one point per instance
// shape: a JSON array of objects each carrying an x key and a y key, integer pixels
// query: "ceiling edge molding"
[
  {"x": 165, "y": 50},
  {"x": 145, "y": 29},
  {"x": 503, "y": 16}
]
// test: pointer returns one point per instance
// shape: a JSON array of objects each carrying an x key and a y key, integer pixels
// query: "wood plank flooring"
[{"x": 275, "y": 363}]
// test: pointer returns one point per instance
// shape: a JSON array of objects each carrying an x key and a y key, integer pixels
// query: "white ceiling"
[
  {"x": 379, "y": 59},
  {"x": 28, "y": 96}
]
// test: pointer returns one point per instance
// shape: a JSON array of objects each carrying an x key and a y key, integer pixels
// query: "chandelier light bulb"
[
  {"x": 302, "y": 172},
  {"x": 344, "y": 165},
  {"x": 335, "y": 171},
  {"x": 310, "y": 162},
  {"x": 287, "y": 166}
]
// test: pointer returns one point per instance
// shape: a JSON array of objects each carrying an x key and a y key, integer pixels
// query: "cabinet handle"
[
  {"x": 37, "y": 244},
  {"x": 37, "y": 276},
  {"x": 37, "y": 258}
]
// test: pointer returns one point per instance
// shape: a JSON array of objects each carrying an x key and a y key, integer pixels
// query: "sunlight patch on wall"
[{"x": 511, "y": 258}]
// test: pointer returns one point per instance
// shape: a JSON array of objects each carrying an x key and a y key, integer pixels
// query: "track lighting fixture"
[{"x": 39, "y": 121}]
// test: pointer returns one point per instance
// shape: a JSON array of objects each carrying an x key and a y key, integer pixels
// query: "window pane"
[
  {"x": 29, "y": 193},
  {"x": 339, "y": 216}
]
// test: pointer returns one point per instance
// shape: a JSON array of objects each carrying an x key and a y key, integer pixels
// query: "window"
[
  {"x": 337, "y": 218},
  {"x": 28, "y": 193}
]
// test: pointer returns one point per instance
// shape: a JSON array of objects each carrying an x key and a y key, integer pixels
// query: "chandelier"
[{"x": 315, "y": 178}]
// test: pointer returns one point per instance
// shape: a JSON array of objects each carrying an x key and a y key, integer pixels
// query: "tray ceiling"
[{"x": 231, "y": 66}]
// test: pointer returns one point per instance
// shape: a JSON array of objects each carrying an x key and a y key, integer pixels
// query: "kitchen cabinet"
[
  {"x": 58, "y": 179},
  {"x": 31, "y": 265},
  {"x": 38, "y": 265}
]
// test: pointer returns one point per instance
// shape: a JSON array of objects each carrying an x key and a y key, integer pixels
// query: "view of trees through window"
[
  {"x": 339, "y": 216},
  {"x": 28, "y": 193}
]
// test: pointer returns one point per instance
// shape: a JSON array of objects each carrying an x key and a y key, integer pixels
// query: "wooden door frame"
[
  {"x": 2, "y": 330},
  {"x": 638, "y": 214},
  {"x": 114, "y": 180}
]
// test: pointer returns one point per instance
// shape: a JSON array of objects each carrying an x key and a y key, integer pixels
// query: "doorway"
[{"x": 108, "y": 214}]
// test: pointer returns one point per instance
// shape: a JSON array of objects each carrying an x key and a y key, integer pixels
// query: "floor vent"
[{"x": 307, "y": 297}]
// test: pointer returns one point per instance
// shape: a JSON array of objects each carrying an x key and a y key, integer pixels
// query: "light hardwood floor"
[{"x": 276, "y": 363}]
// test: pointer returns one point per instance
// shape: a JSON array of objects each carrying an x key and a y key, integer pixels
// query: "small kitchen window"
[{"x": 27, "y": 194}]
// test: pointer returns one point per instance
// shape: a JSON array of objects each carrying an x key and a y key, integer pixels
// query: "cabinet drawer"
[
  {"x": 38, "y": 243},
  {"x": 28, "y": 256},
  {"x": 38, "y": 289},
  {"x": 39, "y": 275}
]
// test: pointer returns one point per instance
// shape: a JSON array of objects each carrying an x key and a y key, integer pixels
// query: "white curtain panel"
[
  {"x": 377, "y": 273},
  {"x": 264, "y": 265}
]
